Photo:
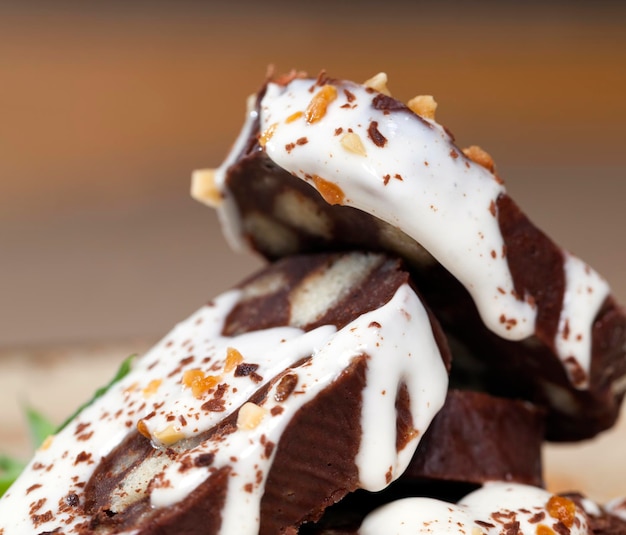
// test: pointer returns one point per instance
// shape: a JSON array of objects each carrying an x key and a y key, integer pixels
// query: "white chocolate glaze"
[
  {"x": 585, "y": 291},
  {"x": 492, "y": 510},
  {"x": 617, "y": 507},
  {"x": 395, "y": 339},
  {"x": 417, "y": 180}
]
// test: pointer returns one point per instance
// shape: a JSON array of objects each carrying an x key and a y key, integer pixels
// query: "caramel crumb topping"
[
  {"x": 542, "y": 529},
  {"x": 316, "y": 109},
  {"x": 424, "y": 106},
  {"x": 352, "y": 143},
  {"x": 233, "y": 359},
  {"x": 378, "y": 82},
  {"x": 250, "y": 416},
  {"x": 203, "y": 188},
  {"x": 562, "y": 509},
  {"x": 143, "y": 428},
  {"x": 47, "y": 443},
  {"x": 481, "y": 157},
  {"x": 267, "y": 134},
  {"x": 152, "y": 388},
  {"x": 199, "y": 383},
  {"x": 331, "y": 192},
  {"x": 294, "y": 117}
]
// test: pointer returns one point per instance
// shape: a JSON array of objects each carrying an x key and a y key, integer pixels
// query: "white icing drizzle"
[
  {"x": 617, "y": 507},
  {"x": 228, "y": 211},
  {"x": 493, "y": 506},
  {"x": 396, "y": 340},
  {"x": 420, "y": 182},
  {"x": 585, "y": 291}
]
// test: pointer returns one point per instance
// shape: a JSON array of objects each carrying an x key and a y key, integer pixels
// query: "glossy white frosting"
[
  {"x": 486, "y": 511},
  {"x": 421, "y": 183},
  {"x": 396, "y": 338}
]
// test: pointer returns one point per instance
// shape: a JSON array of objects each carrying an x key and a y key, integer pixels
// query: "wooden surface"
[{"x": 107, "y": 107}]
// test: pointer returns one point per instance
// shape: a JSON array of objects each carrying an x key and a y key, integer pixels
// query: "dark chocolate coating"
[
  {"x": 314, "y": 465},
  {"x": 477, "y": 438},
  {"x": 529, "y": 369},
  {"x": 474, "y": 439},
  {"x": 603, "y": 524}
]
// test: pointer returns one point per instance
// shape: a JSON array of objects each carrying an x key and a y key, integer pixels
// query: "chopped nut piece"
[
  {"x": 319, "y": 103},
  {"x": 203, "y": 187},
  {"x": 424, "y": 106},
  {"x": 562, "y": 509},
  {"x": 152, "y": 388},
  {"x": 250, "y": 416},
  {"x": 481, "y": 157},
  {"x": 285, "y": 387},
  {"x": 379, "y": 83},
  {"x": 267, "y": 134},
  {"x": 233, "y": 359},
  {"x": 352, "y": 143},
  {"x": 168, "y": 436},
  {"x": 477, "y": 531},
  {"x": 331, "y": 193}
]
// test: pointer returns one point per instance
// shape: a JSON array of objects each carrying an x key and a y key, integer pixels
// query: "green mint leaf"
[
  {"x": 39, "y": 426},
  {"x": 9, "y": 470},
  {"x": 122, "y": 372}
]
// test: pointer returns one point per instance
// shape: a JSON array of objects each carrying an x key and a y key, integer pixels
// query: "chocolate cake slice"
[
  {"x": 474, "y": 439},
  {"x": 325, "y": 164},
  {"x": 316, "y": 377},
  {"x": 478, "y": 438}
]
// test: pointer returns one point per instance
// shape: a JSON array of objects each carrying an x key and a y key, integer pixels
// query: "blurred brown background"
[{"x": 106, "y": 108}]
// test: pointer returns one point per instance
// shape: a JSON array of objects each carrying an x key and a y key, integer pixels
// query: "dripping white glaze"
[
  {"x": 442, "y": 200},
  {"x": 387, "y": 334},
  {"x": 585, "y": 291},
  {"x": 483, "y": 512}
]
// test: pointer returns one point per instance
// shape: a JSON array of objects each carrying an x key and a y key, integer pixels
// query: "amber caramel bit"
[
  {"x": 378, "y": 82},
  {"x": 294, "y": 117},
  {"x": 192, "y": 375},
  {"x": 199, "y": 383},
  {"x": 131, "y": 388},
  {"x": 562, "y": 509},
  {"x": 267, "y": 134},
  {"x": 250, "y": 416},
  {"x": 204, "y": 189},
  {"x": 233, "y": 359},
  {"x": 316, "y": 109},
  {"x": 331, "y": 192},
  {"x": 542, "y": 529},
  {"x": 143, "y": 428},
  {"x": 46, "y": 443},
  {"x": 152, "y": 388},
  {"x": 423, "y": 105},
  {"x": 352, "y": 143},
  {"x": 481, "y": 157}
]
